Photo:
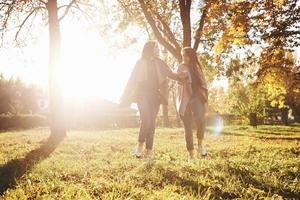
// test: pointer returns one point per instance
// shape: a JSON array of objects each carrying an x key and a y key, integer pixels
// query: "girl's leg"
[
  {"x": 199, "y": 115},
  {"x": 200, "y": 122},
  {"x": 153, "y": 111},
  {"x": 188, "y": 132},
  {"x": 200, "y": 131},
  {"x": 144, "y": 117}
]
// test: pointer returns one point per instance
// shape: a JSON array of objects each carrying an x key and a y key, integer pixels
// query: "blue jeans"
[
  {"x": 196, "y": 109},
  {"x": 148, "y": 106}
]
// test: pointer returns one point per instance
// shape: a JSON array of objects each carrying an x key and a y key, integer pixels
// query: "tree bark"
[
  {"x": 57, "y": 121},
  {"x": 166, "y": 116},
  {"x": 185, "y": 10}
]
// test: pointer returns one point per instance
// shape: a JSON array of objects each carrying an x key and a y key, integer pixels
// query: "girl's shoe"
[
  {"x": 202, "y": 151},
  {"x": 139, "y": 151}
]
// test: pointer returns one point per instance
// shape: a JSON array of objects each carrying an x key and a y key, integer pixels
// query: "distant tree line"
[{"x": 18, "y": 98}]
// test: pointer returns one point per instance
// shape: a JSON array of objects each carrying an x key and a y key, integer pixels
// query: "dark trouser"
[
  {"x": 197, "y": 109},
  {"x": 148, "y": 107}
]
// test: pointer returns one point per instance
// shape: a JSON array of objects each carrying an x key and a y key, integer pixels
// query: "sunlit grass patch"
[{"x": 243, "y": 162}]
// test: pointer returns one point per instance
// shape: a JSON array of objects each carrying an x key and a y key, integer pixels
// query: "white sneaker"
[
  {"x": 202, "y": 151},
  {"x": 139, "y": 151}
]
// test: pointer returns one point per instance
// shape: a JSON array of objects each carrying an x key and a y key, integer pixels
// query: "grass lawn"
[{"x": 243, "y": 162}]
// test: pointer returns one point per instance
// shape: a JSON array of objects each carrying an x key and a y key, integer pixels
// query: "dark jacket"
[{"x": 139, "y": 74}]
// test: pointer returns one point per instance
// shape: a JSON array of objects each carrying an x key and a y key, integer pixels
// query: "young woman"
[
  {"x": 193, "y": 100},
  {"x": 147, "y": 86}
]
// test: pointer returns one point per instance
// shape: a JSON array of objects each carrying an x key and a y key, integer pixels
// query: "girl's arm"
[
  {"x": 179, "y": 76},
  {"x": 183, "y": 73}
]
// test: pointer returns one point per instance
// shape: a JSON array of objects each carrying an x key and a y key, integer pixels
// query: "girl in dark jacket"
[{"x": 148, "y": 86}]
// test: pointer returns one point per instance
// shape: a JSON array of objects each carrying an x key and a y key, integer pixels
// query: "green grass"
[{"x": 243, "y": 163}]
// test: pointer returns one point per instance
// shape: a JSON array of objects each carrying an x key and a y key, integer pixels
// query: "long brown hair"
[
  {"x": 148, "y": 50},
  {"x": 194, "y": 65}
]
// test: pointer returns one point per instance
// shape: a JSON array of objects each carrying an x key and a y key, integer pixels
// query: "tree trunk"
[
  {"x": 185, "y": 10},
  {"x": 165, "y": 108},
  {"x": 175, "y": 106},
  {"x": 285, "y": 116},
  {"x": 57, "y": 122}
]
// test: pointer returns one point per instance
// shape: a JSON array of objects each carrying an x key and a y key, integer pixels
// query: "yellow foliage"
[
  {"x": 279, "y": 2},
  {"x": 237, "y": 30},
  {"x": 220, "y": 45}
]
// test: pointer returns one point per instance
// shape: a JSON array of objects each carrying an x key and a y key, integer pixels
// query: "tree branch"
[
  {"x": 85, "y": 14},
  {"x": 281, "y": 34},
  {"x": 167, "y": 31},
  {"x": 68, "y": 7},
  {"x": 199, "y": 31},
  {"x": 43, "y": 2},
  {"x": 25, "y": 20},
  {"x": 156, "y": 32}
]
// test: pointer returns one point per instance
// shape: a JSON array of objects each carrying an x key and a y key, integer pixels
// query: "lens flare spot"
[{"x": 218, "y": 125}]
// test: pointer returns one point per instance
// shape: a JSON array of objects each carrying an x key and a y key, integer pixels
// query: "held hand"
[{"x": 184, "y": 76}]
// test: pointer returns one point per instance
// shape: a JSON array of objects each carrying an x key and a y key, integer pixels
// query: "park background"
[{"x": 64, "y": 65}]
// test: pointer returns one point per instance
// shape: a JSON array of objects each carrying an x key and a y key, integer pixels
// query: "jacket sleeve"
[
  {"x": 125, "y": 99},
  {"x": 177, "y": 76},
  {"x": 184, "y": 74}
]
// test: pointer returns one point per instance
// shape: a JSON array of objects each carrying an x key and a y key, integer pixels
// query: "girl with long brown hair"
[{"x": 193, "y": 100}]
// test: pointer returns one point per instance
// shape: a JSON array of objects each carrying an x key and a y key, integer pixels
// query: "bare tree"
[{"x": 23, "y": 13}]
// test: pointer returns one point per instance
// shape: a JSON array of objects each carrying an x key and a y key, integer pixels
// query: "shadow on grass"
[
  {"x": 280, "y": 130},
  {"x": 233, "y": 133},
  {"x": 277, "y": 132},
  {"x": 247, "y": 178},
  {"x": 278, "y": 138},
  {"x": 173, "y": 177},
  {"x": 265, "y": 136},
  {"x": 15, "y": 169}
]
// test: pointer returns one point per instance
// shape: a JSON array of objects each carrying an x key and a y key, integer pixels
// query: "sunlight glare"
[{"x": 88, "y": 69}]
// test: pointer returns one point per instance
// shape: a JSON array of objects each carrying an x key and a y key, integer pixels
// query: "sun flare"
[{"x": 89, "y": 71}]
